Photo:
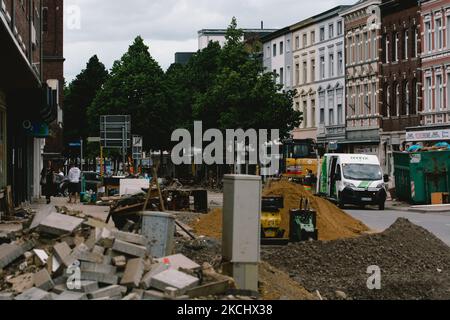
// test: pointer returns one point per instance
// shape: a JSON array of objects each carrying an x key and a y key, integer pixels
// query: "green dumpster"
[{"x": 419, "y": 175}]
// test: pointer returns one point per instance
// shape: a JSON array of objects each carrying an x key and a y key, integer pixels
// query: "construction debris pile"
[
  {"x": 67, "y": 256},
  {"x": 332, "y": 222},
  {"x": 414, "y": 264}
]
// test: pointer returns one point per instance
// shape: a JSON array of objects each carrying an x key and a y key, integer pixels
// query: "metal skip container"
[{"x": 159, "y": 229}]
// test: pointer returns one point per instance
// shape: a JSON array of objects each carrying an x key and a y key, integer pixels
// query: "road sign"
[
  {"x": 75, "y": 145},
  {"x": 115, "y": 132},
  {"x": 137, "y": 147},
  {"x": 93, "y": 139}
]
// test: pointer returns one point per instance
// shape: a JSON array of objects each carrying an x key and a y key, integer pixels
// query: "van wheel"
[{"x": 382, "y": 206}]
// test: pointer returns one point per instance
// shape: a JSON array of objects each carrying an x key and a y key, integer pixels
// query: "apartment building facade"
[
  {"x": 401, "y": 75},
  {"x": 27, "y": 104},
  {"x": 363, "y": 66},
  {"x": 435, "y": 44},
  {"x": 277, "y": 56}
]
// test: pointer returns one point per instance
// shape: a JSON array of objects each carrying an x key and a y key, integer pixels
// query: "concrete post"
[{"x": 241, "y": 238}]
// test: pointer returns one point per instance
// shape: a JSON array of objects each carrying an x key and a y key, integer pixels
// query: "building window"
[
  {"x": 439, "y": 92},
  {"x": 386, "y": 49},
  {"x": 339, "y": 101},
  {"x": 407, "y": 99},
  {"x": 322, "y": 33},
  {"x": 439, "y": 36},
  {"x": 358, "y": 49},
  {"x": 330, "y": 108},
  {"x": 331, "y": 31},
  {"x": 44, "y": 19},
  {"x": 350, "y": 50},
  {"x": 396, "y": 46},
  {"x": 281, "y": 47},
  {"x": 297, "y": 74},
  {"x": 331, "y": 64},
  {"x": 268, "y": 52},
  {"x": 340, "y": 64},
  {"x": 297, "y": 42},
  {"x": 448, "y": 32},
  {"x": 429, "y": 94},
  {"x": 288, "y": 77},
  {"x": 405, "y": 45},
  {"x": 305, "y": 40},
  {"x": 339, "y": 28},
  {"x": 274, "y": 53},
  {"x": 288, "y": 45},
  {"x": 313, "y": 37},
  {"x": 428, "y": 37},
  {"x": 282, "y": 76},
  {"x": 373, "y": 45},
  {"x": 322, "y": 67},
  {"x": 313, "y": 70},
  {"x": 322, "y": 107},
  {"x": 366, "y": 47},
  {"x": 416, "y": 43},
  {"x": 313, "y": 113},
  {"x": 358, "y": 100},
  {"x": 305, "y": 114},
  {"x": 397, "y": 100},
  {"x": 416, "y": 97},
  {"x": 388, "y": 101},
  {"x": 305, "y": 72},
  {"x": 374, "y": 99}
]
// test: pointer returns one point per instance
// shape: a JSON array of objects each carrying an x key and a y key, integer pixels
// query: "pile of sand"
[{"x": 332, "y": 222}]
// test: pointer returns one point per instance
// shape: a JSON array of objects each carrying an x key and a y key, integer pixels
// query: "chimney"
[{"x": 262, "y": 25}]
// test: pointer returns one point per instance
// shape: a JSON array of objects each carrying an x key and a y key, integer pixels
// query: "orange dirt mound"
[{"x": 332, "y": 222}]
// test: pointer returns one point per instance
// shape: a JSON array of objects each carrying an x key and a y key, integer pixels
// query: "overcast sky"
[{"x": 107, "y": 27}]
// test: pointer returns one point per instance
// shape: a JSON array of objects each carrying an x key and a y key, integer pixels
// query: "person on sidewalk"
[
  {"x": 74, "y": 183},
  {"x": 48, "y": 181}
]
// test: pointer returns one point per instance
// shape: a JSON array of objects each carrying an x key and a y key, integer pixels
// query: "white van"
[{"x": 355, "y": 179}]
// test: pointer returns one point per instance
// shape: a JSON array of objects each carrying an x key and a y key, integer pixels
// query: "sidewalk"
[{"x": 430, "y": 209}]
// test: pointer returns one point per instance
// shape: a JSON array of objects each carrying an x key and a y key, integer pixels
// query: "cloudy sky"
[{"x": 107, "y": 27}]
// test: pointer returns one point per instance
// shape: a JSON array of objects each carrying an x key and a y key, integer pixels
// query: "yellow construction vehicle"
[{"x": 300, "y": 157}]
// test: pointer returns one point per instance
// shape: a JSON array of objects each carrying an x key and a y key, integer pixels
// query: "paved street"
[{"x": 438, "y": 224}]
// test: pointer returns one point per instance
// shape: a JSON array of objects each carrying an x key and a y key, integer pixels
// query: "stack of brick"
[{"x": 91, "y": 261}]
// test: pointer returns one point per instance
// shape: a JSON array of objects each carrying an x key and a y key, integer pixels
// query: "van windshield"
[{"x": 362, "y": 172}]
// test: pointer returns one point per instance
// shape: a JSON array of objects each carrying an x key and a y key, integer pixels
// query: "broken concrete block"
[
  {"x": 154, "y": 295},
  {"x": 96, "y": 267},
  {"x": 105, "y": 238},
  {"x": 59, "y": 288},
  {"x": 64, "y": 253},
  {"x": 155, "y": 269},
  {"x": 130, "y": 249},
  {"x": 210, "y": 289},
  {"x": 40, "y": 257},
  {"x": 130, "y": 237},
  {"x": 119, "y": 261},
  {"x": 59, "y": 224},
  {"x": 34, "y": 294},
  {"x": 6, "y": 296},
  {"x": 133, "y": 273},
  {"x": 22, "y": 283},
  {"x": 98, "y": 250},
  {"x": 179, "y": 261},
  {"x": 42, "y": 280},
  {"x": 110, "y": 291},
  {"x": 72, "y": 296},
  {"x": 175, "y": 279},
  {"x": 100, "y": 277},
  {"x": 9, "y": 253},
  {"x": 139, "y": 292},
  {"x": 132, "y": 297},
  {"x": 172, "y": 293}
]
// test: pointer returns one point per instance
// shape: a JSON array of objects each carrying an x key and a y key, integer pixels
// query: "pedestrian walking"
[
  {"x": 48, "y": 182},
  {"x": 74, "y": 183}
]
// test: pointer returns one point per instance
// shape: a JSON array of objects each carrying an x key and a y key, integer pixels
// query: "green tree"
[
  {"x": 242, "y": 95},
  {"x": 78, "y": 96},
  {"x": 136, "y": 87}
]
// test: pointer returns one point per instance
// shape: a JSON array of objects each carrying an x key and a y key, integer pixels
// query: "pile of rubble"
[{"x": 65, "y": 255}]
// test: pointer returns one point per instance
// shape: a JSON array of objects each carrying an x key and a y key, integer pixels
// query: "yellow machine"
[
  {"x": 299, "y": 159},
  {"x": 271, "y": 218}
]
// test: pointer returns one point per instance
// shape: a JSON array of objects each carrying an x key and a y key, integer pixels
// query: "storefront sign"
[{"x": 423, "y": 136}]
